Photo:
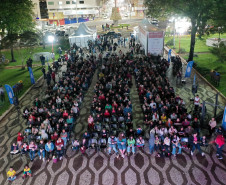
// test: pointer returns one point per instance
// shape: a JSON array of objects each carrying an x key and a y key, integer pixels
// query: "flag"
[
  {"x": 189, "y": 68},
  {"x": 224, "y": 120},
  {"x": 31, "y": 75},
  {"x": 194, "y": 81},
  {"x": 169, "y": 55},
  {"x": 10, "y": 93}
]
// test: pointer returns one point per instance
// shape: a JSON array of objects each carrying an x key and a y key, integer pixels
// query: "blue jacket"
[{"x": 51, "y": 147}]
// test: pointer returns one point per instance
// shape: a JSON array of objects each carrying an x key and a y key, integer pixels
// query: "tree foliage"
[
  {"x": 16, "y": 17},
  {"x": 219, "y": 51},
  {"x": 28, "y": 40},
  {"x": 198, "y": 11}
]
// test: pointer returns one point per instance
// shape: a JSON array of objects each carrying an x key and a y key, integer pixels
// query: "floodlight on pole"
[{"x": 51, "y": 39}]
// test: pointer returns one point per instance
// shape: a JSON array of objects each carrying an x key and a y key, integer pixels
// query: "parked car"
[
  {"x": 112, "y": 34},
  {"x": 59, "y": 33}
]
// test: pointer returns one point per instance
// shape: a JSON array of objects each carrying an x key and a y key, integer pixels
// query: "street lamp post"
[
  {"x": 51, "y": 39},
  {"x": 174, "y": 33}
]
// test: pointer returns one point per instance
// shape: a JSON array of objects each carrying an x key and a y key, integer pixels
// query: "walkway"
[
  {"x": 138, "y": 116},
  {"x": 82, "y": 123},
  {"x": 205, "y": 92}
]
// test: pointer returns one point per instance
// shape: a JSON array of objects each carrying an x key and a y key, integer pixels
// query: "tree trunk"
[
  {"x": 12, "y": 55},
  {"x": 192, "y": 44}
]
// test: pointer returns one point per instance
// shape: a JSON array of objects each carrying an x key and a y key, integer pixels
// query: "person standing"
[
  {"x": 41, "y": 150},
  {"x": 53, "y": 56},
  {"x": 151, "y": 142},
  {"x": 196, "y": 102},
  {"x": 195, "y": 144},
  {"x": 2, "y": 93},
  {"x": 212, "y": 126},
  {"x": 220, "y": 141},
  {"x": 42, "y": 58},
  {"x": 44, "y": 72},
  {"x": 53, "y": 75},
  {"x": 48, "y": 78}
]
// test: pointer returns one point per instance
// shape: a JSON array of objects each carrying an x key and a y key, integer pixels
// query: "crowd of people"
[
  {"x": 110, "y": 125},
  {"x": 50, "y": 122}
]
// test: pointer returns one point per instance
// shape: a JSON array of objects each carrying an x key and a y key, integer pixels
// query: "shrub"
[
  {"x": 170, "y": 42},
  {"x": 220, "y": 52},
  {"x": 182, "y": 50}
]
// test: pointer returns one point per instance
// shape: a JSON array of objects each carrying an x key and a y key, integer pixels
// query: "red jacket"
[
  {"x": 20, "y": 137},
  {"x": 220, "y": 140},
  {"x": 59, "y": 144}
]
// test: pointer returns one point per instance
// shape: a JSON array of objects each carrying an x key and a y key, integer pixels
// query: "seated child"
[
  {"x": 27, "y": 172},
  {"x": 11, "y": 174},
  {"x": 14, "y": 149}
]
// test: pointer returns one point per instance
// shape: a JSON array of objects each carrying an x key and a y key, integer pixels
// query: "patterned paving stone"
[
  {"x": 153, "y": 176},
  {"x": 85, "y": 178},
  {"x": 199, "y": 176},
  {"x": 41, "y": 179},
  {"x": 130, "y": 177},
  {"x": 62, "y": 178},
  {"x": 176, "y": 176},
  {"x": 108, "y": 178}
]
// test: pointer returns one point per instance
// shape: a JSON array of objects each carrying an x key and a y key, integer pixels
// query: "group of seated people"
[
  {"x": 110, "y": 123},
  {"x": 165, "y": 114},
  {"x": 111, "y": 109},
  {"x": 50, "y": 122}
]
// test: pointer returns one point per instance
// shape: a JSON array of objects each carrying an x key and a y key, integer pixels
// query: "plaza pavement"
[{"x": 97, "y": 168}]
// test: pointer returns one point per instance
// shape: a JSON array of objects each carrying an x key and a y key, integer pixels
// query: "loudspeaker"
[{"x": 194, "y": 89}]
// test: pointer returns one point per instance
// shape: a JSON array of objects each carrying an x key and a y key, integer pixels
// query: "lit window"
[
  {"x": 50, "y": 3},
  {"x": 60, "y": 2}
]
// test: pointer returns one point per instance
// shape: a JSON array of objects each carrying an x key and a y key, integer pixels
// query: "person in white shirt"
[{"x": 196, "y": 102}]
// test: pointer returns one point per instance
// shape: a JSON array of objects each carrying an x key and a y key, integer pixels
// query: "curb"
[
  {"x": 184, "y": 61},
  {"x": 11, "y": 106}
]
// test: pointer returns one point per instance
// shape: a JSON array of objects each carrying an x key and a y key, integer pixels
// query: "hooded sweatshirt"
[
  {"x": 220, "y": 140},
  {"x": 20, "y": 137}
]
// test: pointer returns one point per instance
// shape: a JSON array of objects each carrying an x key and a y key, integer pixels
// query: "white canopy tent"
[{"x": 82, "y": 35}]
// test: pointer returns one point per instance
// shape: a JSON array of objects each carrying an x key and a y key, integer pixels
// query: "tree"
[
  {"x": 198, "y": 11},
  {"x": 16, "y": 17},
  {"x": 28, "y": 40}
]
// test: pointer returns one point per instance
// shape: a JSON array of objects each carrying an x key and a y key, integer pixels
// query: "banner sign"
[
  {"x": 31, "y": 75},
  {"x": 155, "y": 43},
  {"x": 189, "y": 68},
  {"x": 10, "y": 93},
  {"x": 169, "y": 55},
  {"x": 224, "y": 120}
]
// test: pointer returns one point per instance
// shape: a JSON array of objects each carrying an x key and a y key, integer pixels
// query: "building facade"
[{"x": 62, "y": 12}]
